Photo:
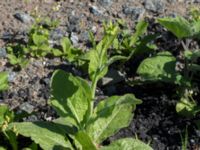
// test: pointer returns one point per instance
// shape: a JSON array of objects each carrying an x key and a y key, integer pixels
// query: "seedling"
[
  {"x": 3, "y": 81},
  {"x": 82, "y": 125},
  {"x": 38, "y": 45},
  {"x": 17, "y": 56},
  {"x": 134, "y": 44},
  {"x": 67, "y": 51}
]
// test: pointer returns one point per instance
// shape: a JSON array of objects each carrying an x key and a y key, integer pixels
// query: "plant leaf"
[
  {"x": 141, "y": 28},
  {"x": 85, "y": 141},
  {"x": 179, "y": 26},
  {"x": 5, "y": 113},
  {"x": 187, "y": 107},
  {"x": 39, "y": 39},
  {"x": 2, "y": 148},
  {"x": 95, "y": 65},
  {"x": 159, "y": 67},
  {"x": 111, "y": 115},
  {"x": 66, "y": 45},
  {"x": 48, "y": 135},
  {"x": 71, "y": 96},
  {"x": 3, "y": 81},
  {"x": 127, "y": 144}
]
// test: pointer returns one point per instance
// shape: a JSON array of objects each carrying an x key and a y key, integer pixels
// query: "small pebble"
[
  {"x": 74, "y": 38},
  {"x": 3, "y": 52},
  {"x": 95, "y": 10},
  {"x": 27, "y": 107},
  {"x": 105, "y": 2}
]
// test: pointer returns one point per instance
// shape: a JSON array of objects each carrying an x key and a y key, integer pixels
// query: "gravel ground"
[{"x": 155, "y": 121}]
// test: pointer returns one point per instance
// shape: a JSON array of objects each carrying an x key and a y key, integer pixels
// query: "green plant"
[
  {"x": 134, "y": 44},
  {"x": 38, "y": 44},
  {"x": 6, "y": 117},
  {"x": 161, "y": 67},
  {"x": 3, "y": 81},
  {"x": 9, "y": 134},
  {"x": 184, "y": 139},
  {"x": 181, "y": 27},
  {"x": 82, "y": 125},
  {"x": 67, "y": 51},
  {"x": 16, "y": 55}
]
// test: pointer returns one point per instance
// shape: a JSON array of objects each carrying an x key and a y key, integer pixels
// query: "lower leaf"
[
  {"x": 127, "y": 144},
  {"x": 111, "y": 115},
  {"x": 48, "y": 135}
]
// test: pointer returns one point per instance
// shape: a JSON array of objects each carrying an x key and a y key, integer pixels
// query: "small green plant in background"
[
  {"x": 39, "y": 35},
  {"x": 3, "y": 81},
  {"x": 82, "y": 125},
  {"x": 67, "y": 51},
  {"x": 39, "y": 46},
  {"x": 16, "y": 55},
  {"x": 134, "y": 44}
]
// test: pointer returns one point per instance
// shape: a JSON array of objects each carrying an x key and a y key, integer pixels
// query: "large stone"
[
  {"x": 134, "y": 12},
  {"x": 24, "y": 17},
  {"x": 155, "y": 5}
]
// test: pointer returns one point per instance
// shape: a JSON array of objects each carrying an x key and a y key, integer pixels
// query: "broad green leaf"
[
  {"x": 110, "y": 115},
  {"x": 48, "y": 135},
  {"x": 127, "y": 144},
  {"x": 179, "y": 26},
  {"x": 85, "y": 141},
  {"x": 71, "y": 96},
  {"x": 3, "y": 81},
  {"x": 160, "y": 67},
  {"x": 141, "y": 28},
  {"x": 2, "y": 148}
]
